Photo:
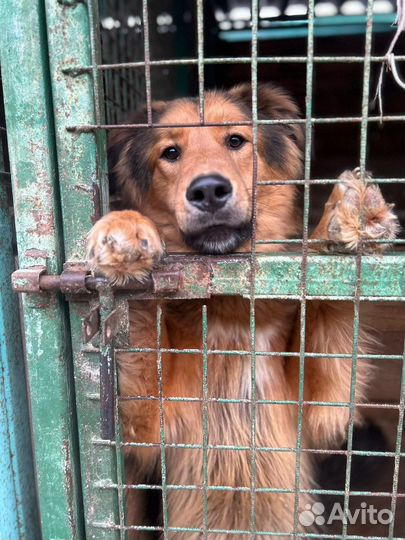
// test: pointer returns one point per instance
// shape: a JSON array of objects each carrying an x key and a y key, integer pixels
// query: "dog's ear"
[
  {"x": 129, "y": 151},
  {"x": 273, "y": 103}
]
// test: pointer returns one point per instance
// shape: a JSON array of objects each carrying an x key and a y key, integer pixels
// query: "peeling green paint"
[
  {"x": 18, "y": 516},
  {"x": 38, "y": 227},
  {"x": 83, "y": 188}
]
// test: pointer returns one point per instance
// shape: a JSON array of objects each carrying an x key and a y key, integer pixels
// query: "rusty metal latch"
[
  {"x": 76, "y": 280},
  {"x": 28, "y": 280}
]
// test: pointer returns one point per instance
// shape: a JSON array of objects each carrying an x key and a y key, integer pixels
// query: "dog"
[{"x": 189, "y": 190}]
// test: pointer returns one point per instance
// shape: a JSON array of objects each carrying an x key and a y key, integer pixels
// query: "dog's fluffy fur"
[{"x": 126, "y": 244}]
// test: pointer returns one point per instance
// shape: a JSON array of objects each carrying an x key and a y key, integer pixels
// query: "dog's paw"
[
  {"x": 356, "y": 213},
  {"x": 124, "y": 245}
]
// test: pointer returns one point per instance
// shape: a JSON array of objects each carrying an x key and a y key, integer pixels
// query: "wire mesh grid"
[
  {"x": 120, "y": 34},
  {"x": 126, "y": 84}
]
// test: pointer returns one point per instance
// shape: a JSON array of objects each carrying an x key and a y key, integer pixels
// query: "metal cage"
[{"x": 72, "y": 71}]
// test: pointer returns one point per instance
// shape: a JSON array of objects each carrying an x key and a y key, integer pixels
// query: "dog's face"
[{"x": 196, "y": 182}]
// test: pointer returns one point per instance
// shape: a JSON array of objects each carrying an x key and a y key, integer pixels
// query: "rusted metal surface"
[
  {"x": 70, "y": 282},
  {"x": 110, "y": 326},
  {"x": 73, "y": 282},
  {"x": 72, "y": 30},
  {"x": 165, "y": 282},
  {"x": 33, "y": 168},
  {"x": 81, "y": 163},
  {"x": 107, "y": 370},
  {"x": 114, "y": 332},
  {"x": 28, "y": 280},
  {"x": 91, "y": 324},
  {"x": 100, "y": 463},
  {"x": 19, "y": 515},
  {"x": 183, "y": 276},
  {"x": 107, "y": 395}
]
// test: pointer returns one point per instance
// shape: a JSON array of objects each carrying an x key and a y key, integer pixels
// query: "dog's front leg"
[
  {"x": 125, "y": 245},
  {"x": 356, "y": 211}
]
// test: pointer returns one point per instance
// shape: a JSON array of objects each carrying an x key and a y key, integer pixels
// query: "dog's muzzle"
[{"x": 218, "y": 239}]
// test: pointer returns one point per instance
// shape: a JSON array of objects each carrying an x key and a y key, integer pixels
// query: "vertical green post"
[
  {"x": 35, "y": 195},
  {"x": 73, "y": 40},
  {"x": 18, "y": 516}
]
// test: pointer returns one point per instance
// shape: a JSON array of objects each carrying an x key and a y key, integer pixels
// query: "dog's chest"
[
  {"x": 229, "y": 324},
  {"x": 228, "y": 330}
]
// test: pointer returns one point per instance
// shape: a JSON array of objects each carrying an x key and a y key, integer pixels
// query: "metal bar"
[
  {"x": 87, "y": 128},
  {"x": 100, "y": 186},
  {"x": 231, "y": 352},
  {"x": 324, "y": 181},
  {"x": 339, "y": 247},
  {"x": 146, "y": 45},
  {"x": 120, "y": 463},
  {"x": 339, "y": 404},
  {"x": 200, "y": 60},
  {"x": 205, "y": 421},
  {"x": 190, "y": 487},
  {"x": 109, "y": 412},
  {"x": 304, "y": 262},
  {"x": 163, "y": 465},
  {"x": 253, "y": 271},
  {"x": 366, "y": 87},
  {"x": 19, "y": 510},
  {"x": 234, "y": 532},
  {"x": 293, "y": 450},
  {"x": 352, "y": 404},
  {"x": 81, "y": 161},
  {"x": 34, "y": 176},
  {"x": 75, "y": 71},
  {"x": 359, "y": 268},
  {"x": 96, "y": 462},
  {"x": 83, "y": 187},
  {"x": 398, "y": 447},
  {"x": 259, "y": 401},
  {"x": 328, "y": 276},
  {"x": 107, "y": 366}
]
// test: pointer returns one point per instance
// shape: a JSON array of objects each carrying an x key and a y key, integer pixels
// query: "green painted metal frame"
[
  {"x": 70, "y": 177},
  {"x": 28, "y": 104},
  {"x": 19, "y": 513},
  {"x": 280, "y": 276},
  {"x": 84, "y": 195},
  {"x": 80, "y": 126}
]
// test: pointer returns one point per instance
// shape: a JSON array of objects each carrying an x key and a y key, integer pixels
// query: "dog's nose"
[{"x": 209, "y": 193}]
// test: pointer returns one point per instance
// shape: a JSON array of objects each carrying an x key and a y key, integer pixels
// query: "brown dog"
[{"x": 193, "y": 187}]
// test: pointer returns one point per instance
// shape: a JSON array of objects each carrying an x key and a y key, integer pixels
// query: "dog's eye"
[
  {"x": 171, "y": 153},
  {"x": 235, "y": 141}
]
